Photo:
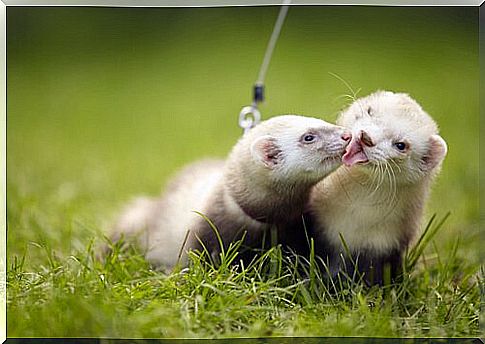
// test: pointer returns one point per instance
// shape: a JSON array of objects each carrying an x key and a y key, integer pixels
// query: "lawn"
[{"x": 107, "y": 103}]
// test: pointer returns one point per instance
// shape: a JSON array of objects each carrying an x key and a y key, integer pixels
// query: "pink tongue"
[{"x": 354, "y": 154}]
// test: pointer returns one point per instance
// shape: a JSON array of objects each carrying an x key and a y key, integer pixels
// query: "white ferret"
[
  {"x": 265, "y": 182},
  {"x": 376, "y": 200}
]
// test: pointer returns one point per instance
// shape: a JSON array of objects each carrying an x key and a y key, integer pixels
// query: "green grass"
[
  {"x": 276, "y": 294},
  {"x": 105, "y": 104}
]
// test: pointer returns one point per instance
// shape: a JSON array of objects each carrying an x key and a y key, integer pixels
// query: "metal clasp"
[{"x": 249, "y": 117}]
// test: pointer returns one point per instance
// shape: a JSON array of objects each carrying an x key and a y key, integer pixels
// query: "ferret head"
[
  {"x": 391, "y": 132},
  {"x": 273, "y": 167},
  {"x": 292, "y": 149}
]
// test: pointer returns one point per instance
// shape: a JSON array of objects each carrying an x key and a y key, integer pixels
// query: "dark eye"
[
  {"x": 309, "y": 138},
  {"x": 401, "y": 146}
]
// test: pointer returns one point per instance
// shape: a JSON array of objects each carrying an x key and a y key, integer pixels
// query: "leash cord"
[
  {"x": 272, "y": 42},
  {"x": 250, "y": 115}
]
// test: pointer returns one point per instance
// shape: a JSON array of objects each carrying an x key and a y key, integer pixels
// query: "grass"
[
  {"x": 105, "y": 104},
  {"x": 276, "y": 295}
]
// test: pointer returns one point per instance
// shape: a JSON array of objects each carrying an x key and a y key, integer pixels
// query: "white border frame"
[
  {"x": 225, "y": 3},
  {"x": 3, "y": 166},
  {"x": 131, "y": 3}
]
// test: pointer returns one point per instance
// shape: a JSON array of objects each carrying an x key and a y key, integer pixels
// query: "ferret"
[
  {"x": 264, "y": 183},
  {"x": 375, "y": 200}
]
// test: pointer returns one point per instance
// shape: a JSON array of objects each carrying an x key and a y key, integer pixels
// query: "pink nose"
[{"x": 346, "y": 136}]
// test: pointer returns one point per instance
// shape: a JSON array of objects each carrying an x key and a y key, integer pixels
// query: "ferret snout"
[
  {"x": 354, "y": 153},
  {"x": 366, "y": 139}
]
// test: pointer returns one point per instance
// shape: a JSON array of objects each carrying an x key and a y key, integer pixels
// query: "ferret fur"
[
  {"x": 377, "y": 205},
  {"x": 264, "y": 183}
]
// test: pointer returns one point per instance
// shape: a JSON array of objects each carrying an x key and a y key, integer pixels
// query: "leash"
[{"x": 250, "y": 115}]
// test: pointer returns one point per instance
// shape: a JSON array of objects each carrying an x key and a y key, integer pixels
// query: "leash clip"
[{"x": 250, "y": 116}]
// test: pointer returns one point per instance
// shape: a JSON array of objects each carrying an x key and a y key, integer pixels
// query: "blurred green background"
[{"x": 107, "y": 103}]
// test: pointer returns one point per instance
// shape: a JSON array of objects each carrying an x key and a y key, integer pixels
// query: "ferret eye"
[
  {"x": 309, "y": 138},
  {"x": 401, "y": 146}
]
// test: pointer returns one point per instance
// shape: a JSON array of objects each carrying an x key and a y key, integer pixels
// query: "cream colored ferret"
[
  {"x": 376, "y": 200},
  {"x": 265, "y": 182}
]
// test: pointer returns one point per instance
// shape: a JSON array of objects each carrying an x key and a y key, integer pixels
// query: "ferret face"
[
  {"x": 297, "y": 148},
  {"x": 392, "y": 135}
]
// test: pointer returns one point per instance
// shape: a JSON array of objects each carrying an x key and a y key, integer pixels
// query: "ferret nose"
[
  {"x": 365, "y": 139},
  {"x": 346, "y": 136}
]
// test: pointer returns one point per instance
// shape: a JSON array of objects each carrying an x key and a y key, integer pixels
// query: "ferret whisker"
[
  {"x": 395, "y": 185},
  {"x": 391, "y": 198},
  {"x": 395, "y": 177},
  {"x": 394, "y": 196},
  {"x": 392, "y": 183},
  {"x": 396, "y": 164},
  {"x": 374, "y": 174},
  {"x": 348, "y": 97},
  {"x": 381, "y": 165},
  {"x": 354, "y": 94},
  {"x": 380, "y": 179},
  {"x": 376, "y": 179},
  {"x": 371, "y": 181},
  {"x": 387, "y": 178}
]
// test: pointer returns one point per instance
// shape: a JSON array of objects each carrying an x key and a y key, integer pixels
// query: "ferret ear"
[
  {"x": 266, "y": 150},
  {"x": 437, "y": 150}
]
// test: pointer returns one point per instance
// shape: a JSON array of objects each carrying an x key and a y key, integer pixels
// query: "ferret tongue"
[{"x": 354, "y": 154}]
